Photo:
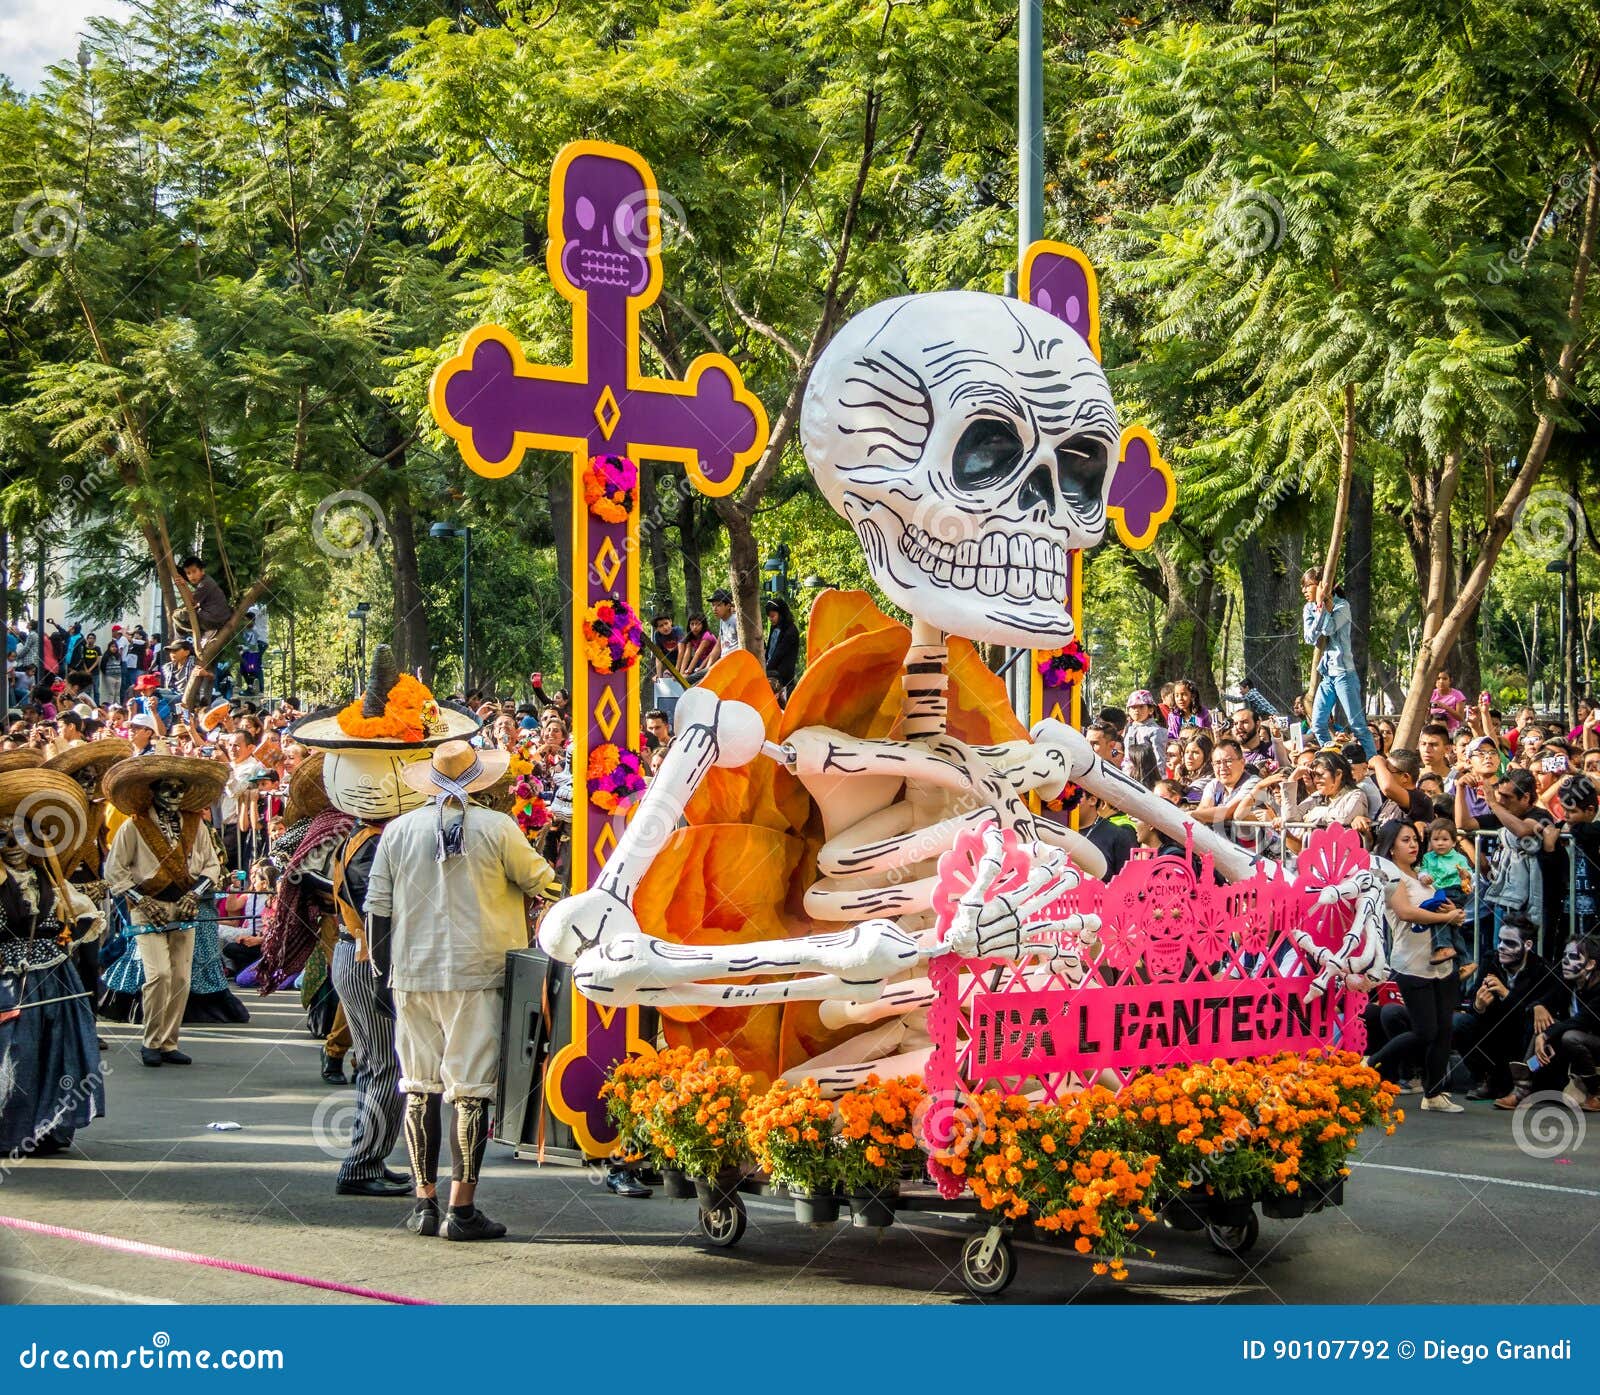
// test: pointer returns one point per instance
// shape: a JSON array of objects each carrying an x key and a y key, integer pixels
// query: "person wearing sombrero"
[
  {"x": 51, "y": 1080},
  {"x": 448, "y": 898},
  {"x": 162, "y": 864},
  {"x": 363, "y": 749},
  {"x": 83, "y": 866}
]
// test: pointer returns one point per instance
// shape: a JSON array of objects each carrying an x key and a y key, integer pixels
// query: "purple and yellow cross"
[
  {"x": 604, "y": 257},
  {"x": 1060, "y": 280}
]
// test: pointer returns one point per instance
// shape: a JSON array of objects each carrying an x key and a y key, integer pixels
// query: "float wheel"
[
  {"x": 724, "y": 1226},
  {"x": 1235, "y": 1240},
  {"x": 988, "y": 1263}
]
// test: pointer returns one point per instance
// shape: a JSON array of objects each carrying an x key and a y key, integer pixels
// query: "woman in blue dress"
[{"x": 51, "y": 1081}]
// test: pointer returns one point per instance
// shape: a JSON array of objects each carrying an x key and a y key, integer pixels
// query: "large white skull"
[{"x": 969, "y": 439}]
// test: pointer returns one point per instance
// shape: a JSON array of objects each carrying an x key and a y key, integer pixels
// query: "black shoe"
[
  {"x": 424, "y": 1218},
  {"x": 102, "y": 1043},
  {"x": 1481, "y": 1091},
  {"x": 333, "y": 1069},
  {"x": 623, "y": 1183},
  {"x": 150, "y": 1056},
  {"x": 475, "y": 1226},
  {"x": 390, "y": 1175},
  {"x": 177, "y": 1058},
  {"x": 373, "y": 1186}
]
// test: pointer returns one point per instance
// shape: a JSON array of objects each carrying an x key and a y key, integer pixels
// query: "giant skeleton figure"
[{"x": 970, "y": 441}]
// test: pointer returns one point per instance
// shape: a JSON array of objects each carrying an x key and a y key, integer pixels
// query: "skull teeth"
[{"x": 998, "y": 564}]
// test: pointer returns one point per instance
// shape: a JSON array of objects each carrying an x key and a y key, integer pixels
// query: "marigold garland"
[
  {"x": 610, "y": 487},
  {"x": 616, "y": 777},
  {"x": 409, "y": 714},
  {"x": 1061, "y": 668},
  {"x": 613, "y": 636}
]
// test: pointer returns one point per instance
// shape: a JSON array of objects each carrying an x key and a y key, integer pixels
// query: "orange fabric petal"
[
  {"x": 722, "y": 884},
  {"x": 980, "y": 710},
  {"x": 837, "y": 616},
  {"x": 854, "y": 687}
]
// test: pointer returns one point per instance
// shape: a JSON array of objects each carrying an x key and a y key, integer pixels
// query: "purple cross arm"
[
  {"x": 1142, "y": 489},
  {"x": 717, "y": 419},
  {"x": 489, "y": 397}
]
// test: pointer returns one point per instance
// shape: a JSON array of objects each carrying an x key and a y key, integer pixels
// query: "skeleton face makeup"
[
  {"x": 165, "y": 794},
  {"x": 12, "y": 853},
  {"x": 1510, "y": 947},
  {"x": 970, "y": 441},
  {"x": 1571, "y": 962}
]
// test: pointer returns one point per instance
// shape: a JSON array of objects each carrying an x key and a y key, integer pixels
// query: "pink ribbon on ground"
[{"x": 139, "y": 1247}]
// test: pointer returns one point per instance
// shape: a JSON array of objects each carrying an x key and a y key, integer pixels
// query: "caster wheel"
[
  {"x": 724, "y": 1226},
  {"x": 985, "y": 1275},
  {"x": 1235, "y": 1240}
]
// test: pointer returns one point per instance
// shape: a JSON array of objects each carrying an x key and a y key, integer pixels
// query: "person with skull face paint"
[
  {"x": 1517, "y": 993},
  {"x": 51, "y": 1082},
  {"x": 83, "y": 867},
  {"x": 162, "y": 860},
  {"x": 1569, "y": 1048}
]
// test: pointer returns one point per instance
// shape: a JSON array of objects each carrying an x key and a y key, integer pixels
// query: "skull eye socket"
[
  {"x": 988, "y": 451},
  {"x": 1081, "y": 464}
]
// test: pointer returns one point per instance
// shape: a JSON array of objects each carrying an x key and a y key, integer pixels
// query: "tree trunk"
[
  {"x": 744, "y": 578},
  {"x": 1341, "y": 516},
  {"x": 558, "y": 496},
  {"x": 1440, "y": 631},
  {"x": 1271, "y": 589},
  {"x": 410, "y": 615},
  {"x": 658, "y": 486},
  {"x": 1465, "y": 664},
  {"x": 694, "y": 602},
  {"x": 1358, "y": 578}
]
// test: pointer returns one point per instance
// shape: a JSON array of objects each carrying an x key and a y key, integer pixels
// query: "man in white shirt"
[
  {"x": 446, "y": 900},
  {"x": 240, "y": 833}
]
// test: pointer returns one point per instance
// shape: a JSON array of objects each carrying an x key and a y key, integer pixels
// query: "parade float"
[{"x": 887, "y": 971}]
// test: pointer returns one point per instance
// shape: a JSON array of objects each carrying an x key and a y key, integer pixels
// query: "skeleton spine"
[{"x": 925, "y": 683}]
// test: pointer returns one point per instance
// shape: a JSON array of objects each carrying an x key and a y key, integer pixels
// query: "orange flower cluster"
[
  {"x": 878, "y": 1131},
  {"x": 1262, "y": 1126},
  {"x": 1099, "y": 1161},
  {"x": 791, "y": 1132},
  {"x": 682, "y": 1109},
  {"x": 408, "y": 712},
  {"x": 1078, "y": 1166}
]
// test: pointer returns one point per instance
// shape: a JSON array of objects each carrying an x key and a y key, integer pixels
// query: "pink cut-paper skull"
[
  {"x": 1169, "y": 902},
  {"x": 609, "y": 225}
]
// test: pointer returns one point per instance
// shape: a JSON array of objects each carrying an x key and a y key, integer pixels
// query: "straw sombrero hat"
[
  {"x": 31, "y": 758},
  {"x": 128, "y": 783},
  {"x": 48, "y": 813},
  {"x": 395, "y": 711},
  {"x": 98, "y": 756},
  {"x": 457, "y": 761},
  {"x": 308, "y": 796}
]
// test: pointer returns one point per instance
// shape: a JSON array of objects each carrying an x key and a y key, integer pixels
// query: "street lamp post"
[
  {"x": 464, "y": 532},
  {"x": 1559, "y": 569},
  {"x": 360, "y": 613}
]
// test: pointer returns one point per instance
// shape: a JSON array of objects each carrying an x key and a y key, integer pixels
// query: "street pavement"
[{"x": 1449, "y": 1209}]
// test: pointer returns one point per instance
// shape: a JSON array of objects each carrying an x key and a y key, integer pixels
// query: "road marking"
[
  {"x": 110, "y": 1295},
  {"x": 1479, "y": 1177}
]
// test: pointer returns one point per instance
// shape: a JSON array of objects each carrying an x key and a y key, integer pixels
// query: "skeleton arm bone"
[{"x": 1128, "y": 795}]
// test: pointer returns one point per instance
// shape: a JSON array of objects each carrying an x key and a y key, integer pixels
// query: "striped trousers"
[{"x": 380, "y": 1108}]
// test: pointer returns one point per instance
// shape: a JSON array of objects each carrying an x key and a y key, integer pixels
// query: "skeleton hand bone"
[{"x": 991, "y": 925}]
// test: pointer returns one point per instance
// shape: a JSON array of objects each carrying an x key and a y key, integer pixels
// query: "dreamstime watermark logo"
[
  {"x": 48, "y": 224},
  {"x": 1546, "y": 1125},
  {"x": 337, "y": 1119},
  {"x": 346, "y": 524},
  {"x": 648, "y": 221},
  {"x": 47, "y": 823},
  {"x": 1249, "y": 222},
  {"x": 948, "y": 1121},
  {"x": 1547, "y": 524}
]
